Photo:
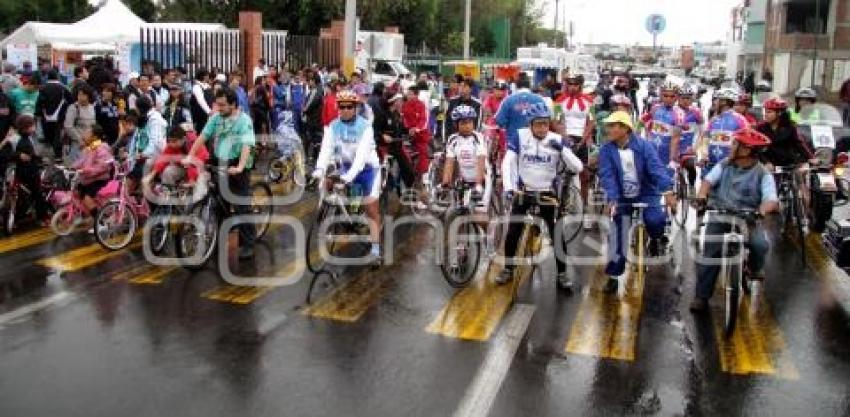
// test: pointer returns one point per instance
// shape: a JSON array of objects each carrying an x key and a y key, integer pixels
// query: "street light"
[{"x": 466, "y": 29}]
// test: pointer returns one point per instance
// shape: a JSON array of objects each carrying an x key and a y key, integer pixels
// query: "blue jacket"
[
  {"x": 653, "y": 177},
  {"x": 512, "y": 113},
  {"x": 242, "y": 99}
]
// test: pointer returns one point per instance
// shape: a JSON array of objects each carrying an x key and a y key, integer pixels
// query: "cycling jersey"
[
  {"x": 533, "y": 164},
  {"x": 512, "y": 113},
  {"x": 466, "y": 150},
  {"x": 662, "y": 122},
  {"x": 352, "y": 145},
  {"x": 693, "y": 121},
  {"x": 719, "y": 133},
  {"x": 575, "y": 111}
]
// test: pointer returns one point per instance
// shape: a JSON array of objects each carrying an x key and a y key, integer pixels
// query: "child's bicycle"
[
  {"x": 72, "y": 212},
  {"x": 287, "y": 164},
  {"x": 118, "y": 220}
]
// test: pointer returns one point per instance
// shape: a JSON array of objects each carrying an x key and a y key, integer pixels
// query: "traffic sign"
[{"x": 656, "y": 23}]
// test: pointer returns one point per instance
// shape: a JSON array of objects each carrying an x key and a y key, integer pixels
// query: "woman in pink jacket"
[{"x": 93, "y": 167}]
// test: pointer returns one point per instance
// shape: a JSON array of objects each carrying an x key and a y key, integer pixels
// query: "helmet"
[
  {"x": 540, "y": 111},
  {"x": 727, "y": 94},
  {"x": 806, "y": 92},
  {"x": 689, "y": 90},
  {"x": 745, "y": 99},
  {"x": 669, "y": 86},
  {"x": 751, "y": 138},
  {"x": 347, "y": 96},
  {"x": 775, "y": 104},
  {"x": 463, "y": 112},
  {"x": 574, "y": 79},
  {"x": 621, "y": 100},
  {"x": 622, "y": 118}
]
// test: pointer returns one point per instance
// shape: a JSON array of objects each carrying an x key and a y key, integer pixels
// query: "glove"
[{"x": 673, "y": 165}]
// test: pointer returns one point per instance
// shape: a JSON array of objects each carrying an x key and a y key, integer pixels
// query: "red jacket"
[
  {"x": 415, "y": 115},
  {"x": 329, "y": 110}
]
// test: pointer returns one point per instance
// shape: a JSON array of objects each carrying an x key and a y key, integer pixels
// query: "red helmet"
[
  {"x": 775, "y": 104},
  {"x": 751, "y": 138},
  {"x": 745, "y": 99}
]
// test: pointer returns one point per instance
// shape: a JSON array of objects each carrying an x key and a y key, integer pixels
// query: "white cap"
[
  {"x": 395, "y": 97},
  {"x": 221, "y": 78},
  {"x": 133, "y": 75}
]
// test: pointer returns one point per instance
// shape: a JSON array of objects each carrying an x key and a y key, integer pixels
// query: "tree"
[
  {"x": 13, "y": 14},
  {"x": 145, "y": 9}
]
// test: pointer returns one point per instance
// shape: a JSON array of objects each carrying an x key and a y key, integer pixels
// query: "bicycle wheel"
[
  {"x": 572, "y": 208},
  {"x": 115, "y": 226},
  {"x": 639, "y": 245},
  {"x": 799, "y": 215},
  {"x": 10, "y": 218},
  {"x": 462, "y": 252},
  {"x": 261, "y": 205},
  {"x": 299, "y": 169},
  {"x": 314, "y": 240},
  {"x": 682, "y": 197},
  {"x": 496, "y": 229},
  {"x": 276, "y": 170},
  {"x": 732, "y": 296},
  {"x": 64, "y": 221},
  {"x": 199, "y": 242},
  {"x": 159, "y": 229}
]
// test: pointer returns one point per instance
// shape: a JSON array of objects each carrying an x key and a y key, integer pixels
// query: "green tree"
[
  {"x": 13, "y": 14},
  {"x": 145, "y": 9}
]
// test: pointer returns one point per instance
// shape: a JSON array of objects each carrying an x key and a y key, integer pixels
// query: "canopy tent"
[{"x": 112, "y": 23}]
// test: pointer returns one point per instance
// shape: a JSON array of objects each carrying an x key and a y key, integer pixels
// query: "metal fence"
[{"x": 303, "y": 51}]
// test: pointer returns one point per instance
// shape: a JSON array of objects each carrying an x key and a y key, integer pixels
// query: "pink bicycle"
[
  {"x": 118, "y": 220},
  {"x": 71, "y": 211}
]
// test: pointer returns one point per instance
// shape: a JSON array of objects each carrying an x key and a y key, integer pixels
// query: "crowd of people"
[{"x": 538, "y": 131}]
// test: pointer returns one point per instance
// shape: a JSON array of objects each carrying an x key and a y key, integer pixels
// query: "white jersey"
[
  {"x": 533, "y": 164},
  {"x": 576, "y": 111},
  {"x": 350, "y": 143},
  {"x": 466, "y": 150}
]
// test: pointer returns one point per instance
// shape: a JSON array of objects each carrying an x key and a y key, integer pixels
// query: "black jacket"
[
  {"x": 106, "y": 114},
  {"x": 26, "y": 169},
  {"x": 786, "y": 146},
  {"x": 313, "y": 108},
  {"x": 7, "y": 115},
  {"x": 51, "y": 96}
]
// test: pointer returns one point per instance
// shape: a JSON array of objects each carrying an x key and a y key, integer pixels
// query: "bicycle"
[
  {"x": 160, "y": 221},
  {"x": 734, "y": 270},
  {"x": 287, "y": 165},
  {"x": 571, "y": 206},
  {"x": 793, "y": 209},
  {"x": 683, "y": 187},
  {"x": 200, "y": 242},
  {"x": 463, "y": 245},
  {"x": 121, "y": 215},
  {"x": 342, "y": 204},
  {"x": 15, "y": 201},
  {"x": 530, "y": 242},
  {"x": 70, "y": 215},
  {"x": 391, "y": 171}
]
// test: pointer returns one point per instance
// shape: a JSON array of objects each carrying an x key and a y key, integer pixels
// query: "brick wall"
[{"x": 251, "y": 25}]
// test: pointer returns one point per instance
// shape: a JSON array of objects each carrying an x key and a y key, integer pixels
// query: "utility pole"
[
  {"x": 349, "y": 36},
  {"x": 555, "y": 24},
  {"x": 468, "y": 16},
  {"x": 817, "y": 36}
]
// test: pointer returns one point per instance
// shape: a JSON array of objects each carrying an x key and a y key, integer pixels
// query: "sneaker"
[
  {"x": 564, "y": 282},
  {"x": 506, "y": 276},
  {"x": 612, "y": 286},
  {"x": 699, "y": 305}
]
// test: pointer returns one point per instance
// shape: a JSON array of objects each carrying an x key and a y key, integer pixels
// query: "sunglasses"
[
  {"x": 668, "y": 95},
  {"x": 346, "y": 107},
  {"x": 573, "y": 84}
]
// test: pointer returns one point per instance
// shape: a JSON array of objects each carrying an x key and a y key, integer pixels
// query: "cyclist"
[
  {"x": 720, "y": 129},
  {"x": 349, "y": 140},
  {"x": 631, "y": 172},
  {"x": 803, "y": 98},
  {"x": 533, "y": 161},
  {"x": 468, "y": 149},
  {"x": 464, "y": 97},
  {"x": 786, "y": 147},
  {"x": 740, "y": 182},
  {"x": 512, "y": 113},
  {"x": 232, "y": 133},
  {"x": 664, "y": 124},
  {"x": 577, "y": 123},
  {"x": 693, "y": 125},
  {"x": 743, "y": 106}
]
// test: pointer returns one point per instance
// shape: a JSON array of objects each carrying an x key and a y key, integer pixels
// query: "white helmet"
[
  {"x": 689, "y": 90},
  {"x": 806, "y": 92},
  {"x": 727, "y": 94}
]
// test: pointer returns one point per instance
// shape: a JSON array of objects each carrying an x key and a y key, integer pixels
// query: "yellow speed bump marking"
[
  {"x": 25, "y": 240},
  {"x": 236, "y": 294},
  {"x": 475, "y": 312},
  {"x": 84, "y": 257}
]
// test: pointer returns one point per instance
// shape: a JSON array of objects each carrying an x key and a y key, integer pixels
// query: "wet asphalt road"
[{"x": 84, "y": 332}]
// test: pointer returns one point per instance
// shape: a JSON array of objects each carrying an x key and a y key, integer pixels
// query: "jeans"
[
  {"x": 548, "y": 213},
  {"x": 707, "y": 272},
  {"x": 655, "y": 219},
  {"x": 52, "y": 136},
  {"x": 240, "y": 185}
]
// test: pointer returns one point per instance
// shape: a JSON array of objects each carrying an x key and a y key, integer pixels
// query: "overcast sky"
[{"x": 622, "y": 21}]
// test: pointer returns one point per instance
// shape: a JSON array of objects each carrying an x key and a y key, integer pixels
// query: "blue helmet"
[
  {"x": 463, "y": 112},
  {"x": 538, "y": 112}
]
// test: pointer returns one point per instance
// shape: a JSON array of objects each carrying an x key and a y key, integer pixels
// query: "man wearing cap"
[
  {"x": 630, "y": 172},
  {"x": 740, "y": 182}
]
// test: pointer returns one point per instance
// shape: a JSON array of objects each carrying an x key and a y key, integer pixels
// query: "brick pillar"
[{"x": 251, "y": 26}]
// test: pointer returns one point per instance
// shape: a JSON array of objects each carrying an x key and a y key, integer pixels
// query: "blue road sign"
[{"x": 655, "y": 24}]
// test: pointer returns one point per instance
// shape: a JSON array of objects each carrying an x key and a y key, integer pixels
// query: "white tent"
[{"x": 112, "y": 23}]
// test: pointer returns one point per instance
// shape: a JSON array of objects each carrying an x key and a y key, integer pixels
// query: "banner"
[{"x": 18, "y": 53}]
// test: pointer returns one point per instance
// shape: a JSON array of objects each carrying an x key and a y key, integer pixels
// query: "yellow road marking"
[
  {"x": 757, "y": 345},
  {"x": 24, "y": 240},
  {"x": 84, "y": 257},
  {"x": 475, "y": 312},
  {"x": 143, "y": 273},
  {"x": 236, "y": 294},
  {"x": 607, "y": 325}
]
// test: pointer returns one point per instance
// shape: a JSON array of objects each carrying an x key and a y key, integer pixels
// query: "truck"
[{"x": 380, "y": 55}]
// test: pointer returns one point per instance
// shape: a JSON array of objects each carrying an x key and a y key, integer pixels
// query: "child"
[
  {"x": 177, "y": 147},
  {"x": 93, "y": 167}
]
